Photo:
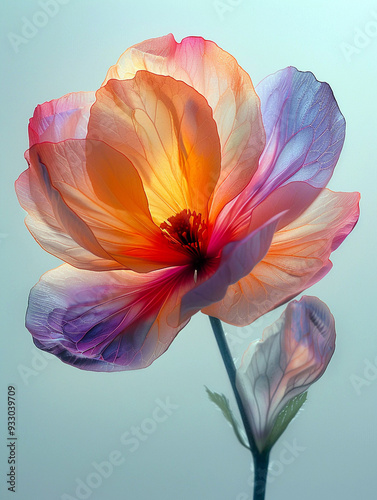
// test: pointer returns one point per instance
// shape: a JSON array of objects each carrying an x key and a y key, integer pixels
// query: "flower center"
[{"x": 189, "y": 232}]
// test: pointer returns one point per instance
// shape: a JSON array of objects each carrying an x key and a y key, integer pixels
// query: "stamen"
[
  {"x": 189, "y": 231},
  {"x": 195, "y": 275}
]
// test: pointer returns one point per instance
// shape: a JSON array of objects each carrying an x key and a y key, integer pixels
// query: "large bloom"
[
  {"x": 178, "y": 187},
  {"x": 293, "y": 354}
]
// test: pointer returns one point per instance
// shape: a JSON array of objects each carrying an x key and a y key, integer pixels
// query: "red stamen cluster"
[{"x": 189, "y": 231}]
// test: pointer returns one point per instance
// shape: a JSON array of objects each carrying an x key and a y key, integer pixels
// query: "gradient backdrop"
[{"x": 69, "y": 422}]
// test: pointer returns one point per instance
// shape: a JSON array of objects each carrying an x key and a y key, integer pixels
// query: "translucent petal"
[
  {"x": 165, "y": 128},
  {"x": 92, "y": 194},
  {"x": 61, "y": 119},
  {"x": 108, "y": 321},
  {"x": 217, "y": 76},
  {"x": 297, "y": 258},
  {"x": 304, "y": 130},
  {"x": 237, "y": 260}
]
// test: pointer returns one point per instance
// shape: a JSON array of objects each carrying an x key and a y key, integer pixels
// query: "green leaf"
[
  {"x": 284, "y": 418},
  {"x": 222, "y": 402}
]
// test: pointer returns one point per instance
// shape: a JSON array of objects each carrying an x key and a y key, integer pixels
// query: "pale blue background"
[{"x": 68, "y": 419}]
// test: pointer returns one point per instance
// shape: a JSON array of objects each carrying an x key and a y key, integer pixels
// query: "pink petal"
[
  {"x": 61, "y": 119},
  {"x": 235, "y": 222}
]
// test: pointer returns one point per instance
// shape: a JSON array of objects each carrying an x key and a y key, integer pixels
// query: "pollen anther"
[{"x": 189, "y": 231}]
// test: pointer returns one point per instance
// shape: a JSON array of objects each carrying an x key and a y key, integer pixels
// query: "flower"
[
  {"x": 293, "y": 354},
  {"x": 178, "y": 187}
]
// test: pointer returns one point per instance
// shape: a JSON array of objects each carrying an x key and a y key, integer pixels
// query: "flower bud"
[{"x": 293, "y": 353}]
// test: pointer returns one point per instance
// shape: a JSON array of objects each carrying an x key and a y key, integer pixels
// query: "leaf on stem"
[
  {"x": 286, "y": 415},
  {"x": 222, "y": 402}
]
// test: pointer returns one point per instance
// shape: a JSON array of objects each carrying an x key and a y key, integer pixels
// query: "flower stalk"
[
  {"x": 260, "y": 474},
  {"x": 260, "y": 459}
]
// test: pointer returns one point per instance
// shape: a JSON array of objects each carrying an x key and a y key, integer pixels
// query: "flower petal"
[
  {"x": 108, "y": 321},
  {"x": 304, "y": 131},
  {"x": 235, "y": 222},
  {"x": 216, "y": 75},
  {"x": 304, "y": 137},
  {"x": 61, "y": 119},
  {"x": 294, "y": 353},
  {"x": 298, "y": 258},
  {"x": 237, "y": 260},
  {"x": 90, "y": 192},
  {"x": 166, "y": 130},
  {"x": 50, "y": 232}
]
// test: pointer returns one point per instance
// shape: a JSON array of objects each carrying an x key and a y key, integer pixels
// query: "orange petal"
[
  {"x": 298, "y": 258},
  {"x": 94, "y": 195},
  {"x": 49, "y": 231},
  {"x": 166, "y": 130},
  {"x": 217, "y": 76}
]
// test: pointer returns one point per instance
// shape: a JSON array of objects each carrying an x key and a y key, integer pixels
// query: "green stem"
[
  {"x": 260, "y": 474},
  {"x": 260, "y": 459}
]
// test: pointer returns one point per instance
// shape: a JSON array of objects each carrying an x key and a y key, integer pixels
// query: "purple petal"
[
  {"x": 304, "y": 130},
  {"x": 106, "y": 321}
]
